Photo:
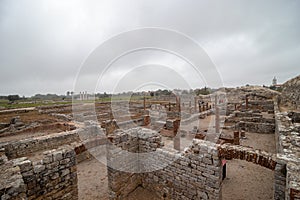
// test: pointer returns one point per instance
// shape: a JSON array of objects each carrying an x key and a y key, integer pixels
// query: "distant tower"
[{"x": 274, "y": 82}]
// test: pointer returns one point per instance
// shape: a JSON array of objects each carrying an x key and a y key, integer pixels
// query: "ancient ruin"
[{"x": 166, "y": 147}]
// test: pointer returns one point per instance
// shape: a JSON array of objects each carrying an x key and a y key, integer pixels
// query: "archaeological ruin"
[{"x": 233, "y": 142}]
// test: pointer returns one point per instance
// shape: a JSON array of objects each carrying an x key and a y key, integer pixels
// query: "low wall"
[
  {"x": 11, "y": 183},
  {"x": 121, "y": 155},
  {"x": 53, "y": 177},
  {"x": 265, "y": 105},
  {"x": 29, "y": 146},
  {"x": 136, "y": 158},
  {"x": 287, "y": 171},
  {"x": 248, "y": 154},
  {"x": 253, "y": 127},
  {"x": 194, "y": 174}
]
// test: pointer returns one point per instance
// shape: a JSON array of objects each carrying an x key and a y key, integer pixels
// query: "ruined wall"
[
  {"x": 121, "y": 164},
  {"x": 262, "y": 105},
  {"x": 291, "y": 93},
  {"x": 248, "y": 154},
  {"x": 287, "y": 138},
  {"x": 253, "y": 127},
  {"x": 11, "y": 183},
  {"x": 52, "y": 177},
  {"x": 29, "y": 146},
  {"x": 194, "y": 174}
]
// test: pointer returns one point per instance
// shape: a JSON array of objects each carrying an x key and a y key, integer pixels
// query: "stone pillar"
[
  {"x": 235, "y": 106},
  {"x": 110, "y": 126},
  {"x": 217, "y": 115},
  {"x": 176, "y": 139},
  {"x": 246, "y": 102},
  {"x": 243, "y": 134},
  {"x": 176, "y": 142},
  {"x": 144, "y": 103},
  {"x": 147, "y": 120},
  {"x": 195, "y": 98},
  {"x": 236, "y": 138},
  {"x": 178, "y": 103}
]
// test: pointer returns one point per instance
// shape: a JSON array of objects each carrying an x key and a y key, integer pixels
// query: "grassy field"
[{"x": 5, "y": 104}]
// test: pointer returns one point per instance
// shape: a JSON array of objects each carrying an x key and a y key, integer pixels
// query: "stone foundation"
[{"x": 52, "y": 177}]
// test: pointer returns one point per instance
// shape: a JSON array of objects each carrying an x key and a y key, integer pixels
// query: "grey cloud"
[{"x": 44, "y": 43}]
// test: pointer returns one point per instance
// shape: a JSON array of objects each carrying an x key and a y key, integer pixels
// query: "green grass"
[
  {"x": 5, "y": 104},
  {"x": 27, "y": 104}
]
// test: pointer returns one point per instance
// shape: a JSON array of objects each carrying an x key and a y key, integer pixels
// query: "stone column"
[
  {"x": 178, "y": 104},
  {"x": 195, "y": 98},
  {"x": 217, "y": 115},
  {"x": 236, "y": 138},
  {"x": 246, "y": 102},
  {"x": 176, "y": 139},
  {"x": 243, "y": 134},
  {"x": 146, "y": 120}
]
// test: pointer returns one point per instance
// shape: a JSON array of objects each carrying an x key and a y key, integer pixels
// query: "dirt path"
[
  {"x": 246, "y": 180},
  {"x": 92, "y": 180}
]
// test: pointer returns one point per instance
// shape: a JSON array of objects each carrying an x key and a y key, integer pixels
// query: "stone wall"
[
  {"x": 248, "y": 154},
  {"x": 122, "y": 162},
  {"x": 29, "y": 146},
  {"x": 52, "y": 177},
  {"x": 137, "y": 158},
  {"x": 253, "y": 127},
  {"x": 287, "y": 171},
  {"x": 264, "y": 106},
  {"x": 11, "y": 183},
  {"x": 258, "y": 120},
  {"x": 194, "y": 174},
  {"x": 291, "y": 93}
]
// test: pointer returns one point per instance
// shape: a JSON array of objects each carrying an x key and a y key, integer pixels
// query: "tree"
[{"x": 13, "y": 98}]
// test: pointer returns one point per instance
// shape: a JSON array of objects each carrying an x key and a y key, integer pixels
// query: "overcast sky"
[{"x": 43, "y": 43}]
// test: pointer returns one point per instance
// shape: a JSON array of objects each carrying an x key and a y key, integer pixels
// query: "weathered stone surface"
[{"x": 43, "y": 179}]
